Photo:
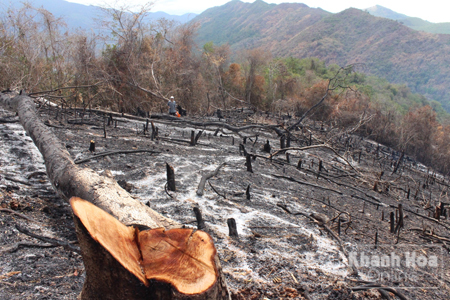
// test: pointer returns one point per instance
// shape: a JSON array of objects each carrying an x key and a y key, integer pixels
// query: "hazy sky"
[{"x": 430, "y": 10}]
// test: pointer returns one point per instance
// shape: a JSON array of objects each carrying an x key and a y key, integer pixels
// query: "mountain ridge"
[
  {"x": 412, "y": 22},
  {"x": 80, "y": 16},
  {"x": 385, "y": 47}
]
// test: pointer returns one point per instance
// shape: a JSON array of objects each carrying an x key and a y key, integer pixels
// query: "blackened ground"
[{"x": 278, "y": 254}]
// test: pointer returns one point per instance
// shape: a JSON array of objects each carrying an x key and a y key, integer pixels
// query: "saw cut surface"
[
  {"x": 115, "y": 237},
  {"x": 181, "y": 257}
]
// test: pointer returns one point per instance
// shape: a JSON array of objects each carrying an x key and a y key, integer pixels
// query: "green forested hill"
[{"x": 386, "y": 47}]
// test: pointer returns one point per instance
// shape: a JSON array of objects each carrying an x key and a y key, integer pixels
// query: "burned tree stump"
[
  {"x": 247, "y": 192},
  {"x": 110, "y": 119},
  {"x": 437, "y": 213},
  {"x": 392, "y": 222},
  {"x": 154, "y": 134},
  {"x": 198, "y": 215},
  {"x": 197, "y": 137},
  {"x": 283, "y": 142},
  {"x": 92, "y": 146},
  {"x": 242, "y": 150},
  {"x": 232, "y": 229},
  {"x": 248, "y": 163},
  {"x": 267, "y": 147},
  {"x": 400, "y": 218},
  {"x": 320, "y": 169},
  {"x": 170, "y": 178},
  {"x": 299, "y": 164}
]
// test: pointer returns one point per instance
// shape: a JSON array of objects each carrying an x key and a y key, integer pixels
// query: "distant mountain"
[
  {"x": 249, "y": 25},
  {"x": 386, "y": 47},
  {"x": 411, "y": 22},
  {"x": 383, "y": 12},
  {"x": 82, "y": 16}
]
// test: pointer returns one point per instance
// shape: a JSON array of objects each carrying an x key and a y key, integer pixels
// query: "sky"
[{"x": 431, "y": 10}]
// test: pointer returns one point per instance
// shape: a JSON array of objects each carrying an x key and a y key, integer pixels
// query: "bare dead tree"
[{"x": 337, "y": 82}]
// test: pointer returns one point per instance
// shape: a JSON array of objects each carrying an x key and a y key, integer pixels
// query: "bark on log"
[{"x": 71, "y": 180}]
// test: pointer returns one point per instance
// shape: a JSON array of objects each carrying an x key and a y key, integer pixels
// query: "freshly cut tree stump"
[
  {"x": 156, "y": 259},
  {"x": 181, "y": 257}
]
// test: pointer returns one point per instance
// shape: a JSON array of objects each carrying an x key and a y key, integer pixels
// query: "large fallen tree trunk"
[{"x": 106, "y": 278}]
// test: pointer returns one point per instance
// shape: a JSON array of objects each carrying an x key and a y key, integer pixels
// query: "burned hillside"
[{"x": 301, "y": 209}]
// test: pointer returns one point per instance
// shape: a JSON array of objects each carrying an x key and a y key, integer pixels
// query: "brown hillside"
[{"x": 387, "y": 48}]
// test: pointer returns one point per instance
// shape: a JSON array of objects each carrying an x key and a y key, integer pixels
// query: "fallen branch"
[
  {"x": 201, "y": 186},
  {"x": 431, "y": 234},
  {"x": 322, "y": 224},
  {"x": 18, "y": 245},
  {"x": 17, "y": 181},
  {"x": 3, "y": 121},
  {"x": 312, "y": 147},
  {"x": 223, "y": 196},
  {"x": 80, "y": 161},
  {"x": 52, "y": 241},
  {"x": 379, "y": 287},
  {"x": 19, "y": 215},
  {"x": 307, "y": 183},
  {"x": 425, "y": 217}
]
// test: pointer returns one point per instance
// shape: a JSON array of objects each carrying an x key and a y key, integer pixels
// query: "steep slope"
[
  {"x": 386, "y": 47},
  {"x": 245, "y": 25}
]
